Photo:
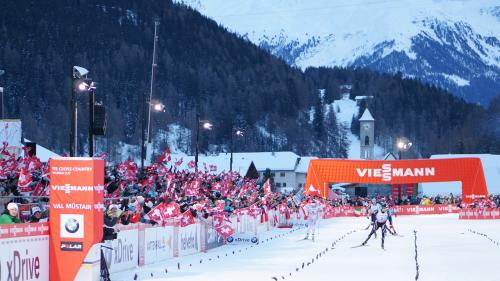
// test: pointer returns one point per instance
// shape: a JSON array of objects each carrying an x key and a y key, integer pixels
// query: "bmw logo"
[
  {"x": 72, "y": 225},
  {"x": 230, "y": 239},
  {"x": 254, "y": 240}
]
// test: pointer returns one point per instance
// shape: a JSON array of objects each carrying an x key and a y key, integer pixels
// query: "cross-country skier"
[
  {"x": 380, "y": 223},
  {"x": 313, "y": 213},
  {"x": 390, "y": 213},
  {"x": 372, "y": 210}
]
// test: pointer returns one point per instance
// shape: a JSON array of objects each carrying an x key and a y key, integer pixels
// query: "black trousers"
[{"x": 374, "y": 230}]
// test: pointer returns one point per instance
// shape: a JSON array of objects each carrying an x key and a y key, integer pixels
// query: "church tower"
[{"x": 367, "y": 135}]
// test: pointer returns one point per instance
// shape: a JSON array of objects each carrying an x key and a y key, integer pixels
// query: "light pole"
[
  {"x": 152, "y": 89},
  {"x": 403, "y": 144},
  {"x": 157, "y": 107},
  {"x": 206, "y": 125},
  {"x": 239, "y": 133},
  {"x": 79, "y": 83},
  {"x": 2, "y": 72},
  {"x": 91, "y": 120}
]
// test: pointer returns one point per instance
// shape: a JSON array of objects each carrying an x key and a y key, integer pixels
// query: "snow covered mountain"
[{"x": 453, "y": 44}]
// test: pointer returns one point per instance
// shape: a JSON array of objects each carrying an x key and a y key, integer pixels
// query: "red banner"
[
  {"x": 24, "y": 229},
  {"x": 479, "y": 214},
  {"x": 76, "y": 213},
  {"x": 425, "y": 209},
  {"x": 406, "y": 210}
]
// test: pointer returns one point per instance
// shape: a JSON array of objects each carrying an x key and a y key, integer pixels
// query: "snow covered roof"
[
  {"x": 491, "y": 167},
  {"x": 390, "y": 156},
  {"x": 363, "y": 97},
  {"x": 304, "y": 164},
  {"x": 367, "y": 116},
  {"x": 275, "y": 161}
]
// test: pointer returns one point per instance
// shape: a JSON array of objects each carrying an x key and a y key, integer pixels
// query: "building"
[
  {"x": 287, "y": 168},
  {"x": 367, "y": 135}
]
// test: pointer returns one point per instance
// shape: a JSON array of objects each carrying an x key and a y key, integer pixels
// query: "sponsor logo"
[
  {"x": 68, "y": 188},
  {"x": 188, "y": 243},
  {"x": 72, "y": 226},
  {"x": 387, "y": 172},
  {"x": 21, "y": 267},
  {"x": 252, "y": 240},
  {"x": 156, "y": 245},
  {"x": 72, "y": 206},
  {"x": 71, "y": 246},
  {"x": 121, "y": 252},
  {"x": 474, "y": 196}
]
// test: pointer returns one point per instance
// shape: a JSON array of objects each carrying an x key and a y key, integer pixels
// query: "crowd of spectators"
[{"x": 493, "y": 201}]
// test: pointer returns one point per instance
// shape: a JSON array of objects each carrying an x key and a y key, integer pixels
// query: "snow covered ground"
[{"x": 447, "y": 250}]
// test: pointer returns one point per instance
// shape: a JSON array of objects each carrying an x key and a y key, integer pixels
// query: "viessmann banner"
[
  {"x": 469, "y": 171},
  {"x": 76, "y": 213}
]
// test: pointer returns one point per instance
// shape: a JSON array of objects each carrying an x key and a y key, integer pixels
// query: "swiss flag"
[
  {"x": 267, "y": 187},
  {"x": 313, "y": 191},
  {"x": 193, "y": 188},
  {"x": 218, "y": 220},
  {"x": 162, "y": 171},
  {"x": 217, "y": 186},
  {"x": 186, "y": 218},
  {"x": 24, "y": 179},
  {"x": 156, "y": 214},
  {"x": 225, "y": 231},
  {"x": 178, "y": 162},
  {"x": 171, "y": 210},
  {"x": 165, "y": 157}
]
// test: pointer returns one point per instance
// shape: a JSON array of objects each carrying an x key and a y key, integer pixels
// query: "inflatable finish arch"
[{"x": 469, "y": 171}]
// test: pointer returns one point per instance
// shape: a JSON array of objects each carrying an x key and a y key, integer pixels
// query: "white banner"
[
  {"x": 242, "y": 238},
  {"x": 125, "y": 251},
  {"x": 24, "y": 258},
  {"x": 158, "y": 244},
  {"x": 189, "y": 239}
]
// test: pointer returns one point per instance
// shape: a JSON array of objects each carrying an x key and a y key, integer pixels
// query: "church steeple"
[{"x": 367, "y": 135}]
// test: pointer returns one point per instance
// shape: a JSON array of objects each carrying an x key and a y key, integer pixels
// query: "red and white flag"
[
  {"x": 178, "y": 162},
  {"x": 313, "y": 191},
  {"x": 267, "y": 187},
  {"x": 193, "y": 188},
  {"x": 24, "y": 180},
  {"x": 186, "y": 218},
  {"x": 156, "y": 214},
  {"x": 225, "y": 231},
  {"x": 217, "y": 186},
  {"x": 191, "y": 164},
  {"x": 171, "y": 210},
  {"x": 165, "y": 157}
]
